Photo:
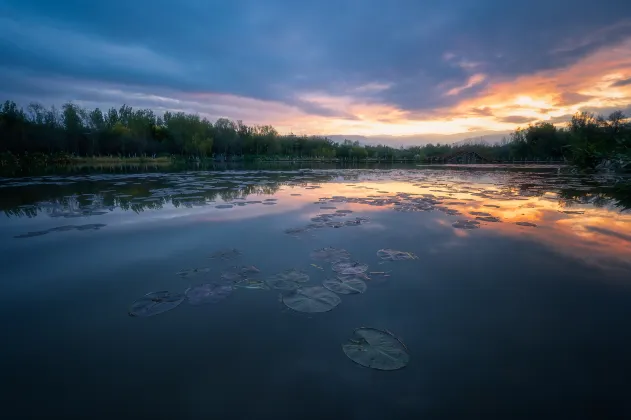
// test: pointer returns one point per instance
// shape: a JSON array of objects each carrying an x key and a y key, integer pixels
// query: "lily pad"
[
  {"x": 288, "y": 279},
  {"x": 480, "y": 213},
  {"x": 311, "y": 299},
  {"x": 207, "y": 293},
  {"x": 345, "y": 285},
  {"x": 224, "y": 206},
  {"x": 282, "y": 284},
  {"x": 330, "y": 254},
  {"x": 394, "y": 255},
  {"x": 155, "y": 303},
  {"x": 376, "y": 349},
  {"x": 466, "y": 224},
  {"x": 489, "y": 219},
  {"x": 528, "y": 224},
  {"x": 349, "y": 267}
]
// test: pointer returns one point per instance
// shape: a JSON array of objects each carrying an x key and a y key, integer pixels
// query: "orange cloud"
[
  {"x": 595, "y": 82},
  {"x": 598, "y": 81}
]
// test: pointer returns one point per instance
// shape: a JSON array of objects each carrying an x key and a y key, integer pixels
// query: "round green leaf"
[
  {"x": 347, "y": 285},
  {"x": 311, "y": 299},
  {"x": 376, "y": 349},
  {"x": 155, "y": 303}
]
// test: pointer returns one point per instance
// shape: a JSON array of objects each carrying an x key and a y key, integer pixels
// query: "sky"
[{"x": 392, "y": 69}]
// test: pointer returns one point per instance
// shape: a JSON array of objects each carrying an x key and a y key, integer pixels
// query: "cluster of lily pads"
[
  {"x": 406, "y": 202},
  {"x": 368, "y": 347}
]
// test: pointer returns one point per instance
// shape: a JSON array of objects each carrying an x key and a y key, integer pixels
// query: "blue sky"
[{"x": 398, "y": 67}]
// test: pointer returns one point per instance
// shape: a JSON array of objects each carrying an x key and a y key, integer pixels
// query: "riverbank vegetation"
[{"x": 40, "y": 136}]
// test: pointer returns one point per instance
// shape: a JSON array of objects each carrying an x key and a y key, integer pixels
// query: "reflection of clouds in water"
[
  {"x": 587, "y": 225},
  {"x": 607, "y": 232}
]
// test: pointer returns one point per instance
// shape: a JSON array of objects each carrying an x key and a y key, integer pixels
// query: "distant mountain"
[{"x": 487, "y": 137}]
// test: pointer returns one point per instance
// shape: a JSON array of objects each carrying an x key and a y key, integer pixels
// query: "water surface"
[{"x": 518, "y": 303}]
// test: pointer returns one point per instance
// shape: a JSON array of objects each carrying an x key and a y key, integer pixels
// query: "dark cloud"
[
  {"x": 516, "y": 119},
  {"x": 621, "y": 83},
  {"x": 571, "y": 98},
  {"x": 281, "y": 49},
  {"x": 607, "y": 110}
]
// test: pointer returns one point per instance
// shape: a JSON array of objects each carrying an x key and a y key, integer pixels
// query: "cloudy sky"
[{"x": 351, "y": 67}]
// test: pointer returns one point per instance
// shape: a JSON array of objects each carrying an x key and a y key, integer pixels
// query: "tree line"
[{"x": 586, "y": 140}]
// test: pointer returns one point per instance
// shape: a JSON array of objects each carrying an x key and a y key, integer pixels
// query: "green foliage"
[{"x": 587, "y": 140}]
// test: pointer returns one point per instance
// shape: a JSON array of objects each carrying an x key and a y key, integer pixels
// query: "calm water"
[{"x": 501, "y": 320}]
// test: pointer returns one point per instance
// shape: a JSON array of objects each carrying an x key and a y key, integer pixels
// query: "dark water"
[{"x": 501, "y": 321}]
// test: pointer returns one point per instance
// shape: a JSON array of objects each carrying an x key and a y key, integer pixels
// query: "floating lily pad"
[
  {"x": 349, "y": 267},
  {"x": 224, "y": 206},
  {"x": 347, "y": 277},
  {"x": 155, "y": 303},
  {"x": 282, "y": 284},
  {"x": 480, "y": 213},
  {"x": 238, "y": 273},
  {"x": 330, "y": 254},
  {"x": 192, "y": 272},
  {"x": 394, "y": 255},
  {"x": 488, "y": 218},
  {"x": 288, "y": 279},
  {"x": 336, "y": 225},
  {"x": 528, "y": 224},
  {"x": 311, "y": 299},
  {"x": 345, "y": 285},
  {"x": 376, "y": 349},
  {"x": 328, "y": 208},
  {"x": 466, "y": 224},
  {"x": 207, "y": 293},
  {"x": 344, "y": 211}
]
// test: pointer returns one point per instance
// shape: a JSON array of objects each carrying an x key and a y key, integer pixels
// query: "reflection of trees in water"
[
  {"x": 102, "y": 195},
  {"x": 618, "y": 195}
]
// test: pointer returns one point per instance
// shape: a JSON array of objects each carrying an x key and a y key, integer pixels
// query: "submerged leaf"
[
  {"x": 330, "y": 254},
  {"x": 376, "y": 349},
  {"x": 155, "y": 303},
  {"x": 311, "y": 299},
  {"x": 207, "y": 293}
]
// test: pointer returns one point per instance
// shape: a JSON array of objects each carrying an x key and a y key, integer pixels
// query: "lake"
[{"x": 510, "y": 296}]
